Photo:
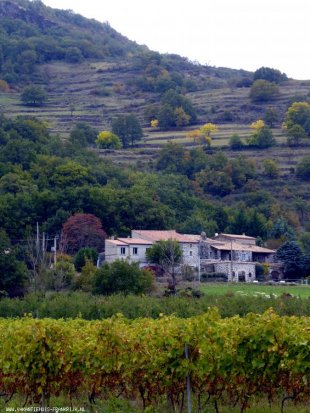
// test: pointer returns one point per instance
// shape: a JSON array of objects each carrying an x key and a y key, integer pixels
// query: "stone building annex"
[{"x": 233, "y": 255}]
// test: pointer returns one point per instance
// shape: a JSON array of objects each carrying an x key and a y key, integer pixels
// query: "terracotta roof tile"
[
  {"x": 116, "y": 242},
  {"x": 236, "y": 236},
  {"x": 227, "y": 246},
  {"x": 165, "y": 235},
  {"x": 137, "y": 241}
]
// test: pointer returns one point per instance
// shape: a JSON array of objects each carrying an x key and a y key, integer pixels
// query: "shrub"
[
  {"x": 270, "y": 74},
  {"x": 303, "y": 169},
  {"x": 213, "y": 276},
  {"x": 263, "y": 91},
  {"x": 235, "y": 142},
  {"x": 33, "y": 96},
  {"x": 122, "y": 277},
  {"x": 83, "y": 255}
]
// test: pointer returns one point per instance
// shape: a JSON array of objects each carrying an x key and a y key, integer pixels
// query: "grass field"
[{"x": 302, "y": 291}]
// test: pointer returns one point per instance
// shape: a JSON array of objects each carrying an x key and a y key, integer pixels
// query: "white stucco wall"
[{"x": 113, "y": 252}]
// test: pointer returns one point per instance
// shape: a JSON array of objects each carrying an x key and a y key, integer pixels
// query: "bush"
[
  {"x": 84, "y": 254},
  {"x": 303, "y": 169},
  {"x": 33, "y": 96},
  {"x": 213, "y": 276},
  {"x": 263, "y": 91},
  {"x": 122, "y": 277},
  {"x": 235, "y": 142},
  {"x": 272, "y": 75}
]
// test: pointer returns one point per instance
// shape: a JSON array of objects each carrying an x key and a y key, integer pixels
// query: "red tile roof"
[
  {"x": 227, "y": 246},
  {"x": 235, "y": 236},
  {"x": 116, "y": 242},
  {"x": 165, "y": 235},
  {"x": 137, "y": 241}
]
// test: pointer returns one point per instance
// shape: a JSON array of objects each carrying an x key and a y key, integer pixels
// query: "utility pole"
[
  {"x": 38, "y": 237},
  {"x": 55, "y": 251},
  {"x": 231, "y": 260},
  {"x": 43, "y": 243}
]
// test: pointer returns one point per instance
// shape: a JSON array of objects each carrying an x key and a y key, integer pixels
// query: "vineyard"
[{"x": 231, "y": 361}]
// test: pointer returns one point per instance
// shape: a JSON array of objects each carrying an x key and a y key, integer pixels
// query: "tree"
[
  {"x": 85, "y": 254},
  {"x": 303, "y": 169},
  {"x": 61, "y": 275},
  {"x": 181, "y": 117},
  {"x": 272, "y": 75},
  {"x": 298, "y": 113},
  {"x": 235, "y": 142},
  {"x": 70, "y": 173},
  {"x": 206, "y": 131},
  {"x": 271, "y": 168},
  {"x": 4, "y": 87},
  {"x": 108, "y": 140},
  {"x": 168, "y": 254},
  {"x": 127, "y": 128},
  {"x": 122, "y": 277},
  {"x": 291, "y": 255},
  {"x": 271, "y": 116},
  {"x": 13, "y": 272},
  {"x": 74, "y": 55},
  {"x": 82, "y": 230},
  {"x": 263, "y": 91},
  {"x": 83, "y": 135},
  {"x": 85, "y": 280},
  {"x": 295, "y": 134},
  {"x": 262, "y": 136},
  {"x": 34, "y": 95}
]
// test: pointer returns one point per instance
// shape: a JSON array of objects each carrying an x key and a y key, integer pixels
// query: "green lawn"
[{"x": 302, "y": 291}]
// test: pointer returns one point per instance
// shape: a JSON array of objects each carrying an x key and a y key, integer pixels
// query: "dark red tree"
[{"x": 82, "y": 230}]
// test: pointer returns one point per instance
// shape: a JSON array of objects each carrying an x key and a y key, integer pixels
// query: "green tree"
[
  {"x": 122, "y": 277},
  {"x": 303, "y": 169},
  {"x": 271, "y": 168},
  {"x": 298, "y": 113},
  {"x": 263, "y": 91},
  {"x": 271, "y": 116},
  {"x": 181, "y": 117},
  {"x": 270, "y": 74},
  {"x": 291, "y": 255},
  {"x": 33, "y": 95},
  {"x": 61, "y": 276},
  {"x": 295, "y": 134},
  {"x": 83, "y": 134},
  {"x": 235, "y": 142},
  {"x": 85, "y": 254},
  {"x": 74, "y": 55},
  {"x": 85, "y": 280},
  {"x": 262, "y": 138},
  {"x": 108, "y": 140},
  {"x": 127, "y": 128},
  {"x": 13, "y": 272},
  {"x": 168, "y": 254},
  {"x": 70, "y": 173}
]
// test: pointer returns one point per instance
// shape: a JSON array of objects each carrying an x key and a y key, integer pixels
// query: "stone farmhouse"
[{"x": 233, "y": 255}]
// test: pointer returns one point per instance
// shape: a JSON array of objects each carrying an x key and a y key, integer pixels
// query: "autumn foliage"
[{"x": 82, "y": 230}]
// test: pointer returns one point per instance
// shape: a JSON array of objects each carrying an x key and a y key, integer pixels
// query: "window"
[
  {"x": 135, "y": 251},
  {"x": 123, "y": 250},
  {"x": 191, "y": 253},
  {"x": 190, "y": 245}
]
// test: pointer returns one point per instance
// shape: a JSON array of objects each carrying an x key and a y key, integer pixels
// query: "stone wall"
[{"x": 236, "y": 270}]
